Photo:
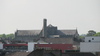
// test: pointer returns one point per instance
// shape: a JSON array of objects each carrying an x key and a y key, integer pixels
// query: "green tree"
[
  {"x": 91, "y": 33},
  {"x": 6, "y": 35},
  {"x": 0, "y": 36},
  {"x": 10, "y": 36},
  {"x": 3, "y": 35},
  {"x": 81, "y": 37},
  {"x": 97, "y": 34}
]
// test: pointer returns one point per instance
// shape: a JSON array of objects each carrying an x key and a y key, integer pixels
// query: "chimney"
[{"x": 44, "y": 28}]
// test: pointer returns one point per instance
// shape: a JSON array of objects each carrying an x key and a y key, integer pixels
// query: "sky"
[{"x": 83, "y": 15}]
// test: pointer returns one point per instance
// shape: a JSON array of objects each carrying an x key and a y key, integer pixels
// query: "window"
[
  {"x": 92, "y": 38},
  {"x": 89, "y": 40}
]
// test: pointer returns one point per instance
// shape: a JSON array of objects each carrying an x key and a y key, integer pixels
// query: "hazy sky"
[{"x": 65, "y": 14}]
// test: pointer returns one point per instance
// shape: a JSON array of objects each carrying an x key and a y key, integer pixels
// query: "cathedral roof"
[
  {"x": 59, "y": 40},
  {"x": 28, "y": 32},
  {"x": 36, "y": 32},
  {"x": 67, "y": 32}
]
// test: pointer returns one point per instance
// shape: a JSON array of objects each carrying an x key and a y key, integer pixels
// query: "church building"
[{"x": 49, "y": 31}]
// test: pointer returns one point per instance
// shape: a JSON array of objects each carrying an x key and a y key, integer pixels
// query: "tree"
[
  {"x": 3, "y": 35},
  {"x": 10, "y": 35},
  {"x": 0, "y": 36},
  {"x": 91, "y": 33},
  {"x": 97, "y": 34},
  {"x": 7, "y": 36}
]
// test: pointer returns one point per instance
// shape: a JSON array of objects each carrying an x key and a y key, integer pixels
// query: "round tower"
[{"x": 45, "y": 28}]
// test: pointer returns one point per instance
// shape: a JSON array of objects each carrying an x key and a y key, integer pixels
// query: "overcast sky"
[{"x": 65, "y": 14}]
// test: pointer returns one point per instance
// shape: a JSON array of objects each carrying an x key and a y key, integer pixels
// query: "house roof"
[
  {"x": 59, "y": 40},
  {"x": 28, "y": 32},
  {"x": 35, "y": 32},
  {"x": 67, "y": 32},
  {"x": 18, "y": 54}
]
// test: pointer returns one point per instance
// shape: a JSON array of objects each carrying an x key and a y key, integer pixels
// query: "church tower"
[{"x": 44, "y": 28}]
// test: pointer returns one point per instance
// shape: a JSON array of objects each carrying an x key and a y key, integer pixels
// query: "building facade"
[
  {"x": 47, "y": 32},
  {"x": 61, "y": 47},
  {"x": 92, "y": 39},
  {"x": 91, "y": 44}
]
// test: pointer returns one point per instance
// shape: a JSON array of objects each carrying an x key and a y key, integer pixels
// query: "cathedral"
[{"x": 47, "y": 32}]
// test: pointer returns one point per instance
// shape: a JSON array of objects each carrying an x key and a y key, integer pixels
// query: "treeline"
[
  {"x": 7, "y": 36},
  {"x": 93, "y": 33},
  {"x": 90, "y": 33}
]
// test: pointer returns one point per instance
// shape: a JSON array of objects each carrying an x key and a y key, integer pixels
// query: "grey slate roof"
[
  {"x": 67, "y": 32},
  {"x": 28, "y": 32},
  {"x": 35, "y": 32},
  {"x": 59, "y": 40},
  {"x": 18, "y": 54}
]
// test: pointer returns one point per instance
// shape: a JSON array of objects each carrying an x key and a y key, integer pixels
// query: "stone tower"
[{"x": 44, "y": 28}]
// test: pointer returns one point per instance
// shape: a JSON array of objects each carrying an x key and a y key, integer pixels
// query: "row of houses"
[
  {"x": 91, "y": 44},
  {"x": 88, "y": 48},
  {"x": 33, "y": 46}
]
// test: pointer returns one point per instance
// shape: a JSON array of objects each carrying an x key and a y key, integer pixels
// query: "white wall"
[
  {"x": 92, "y": 39},
  {"x": 1, "y": 46},
  {"x": 90, "y": 47},
  {"x": 31, "y": 46}
]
